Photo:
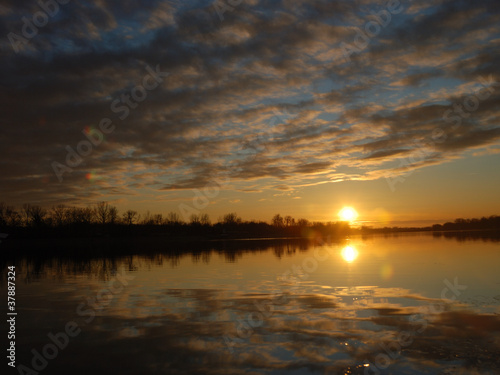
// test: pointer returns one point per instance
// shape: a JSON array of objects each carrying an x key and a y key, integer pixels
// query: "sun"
[{"x": 348, "y": 214}]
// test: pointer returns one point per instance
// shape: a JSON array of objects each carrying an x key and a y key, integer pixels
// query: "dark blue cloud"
[{"x": 270, "y": 73}]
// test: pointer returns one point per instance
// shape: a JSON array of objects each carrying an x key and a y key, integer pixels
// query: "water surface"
[{"x": 406, "y": 304}]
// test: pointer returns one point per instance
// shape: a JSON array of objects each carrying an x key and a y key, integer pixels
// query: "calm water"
[{"x": 407, "y": 304}]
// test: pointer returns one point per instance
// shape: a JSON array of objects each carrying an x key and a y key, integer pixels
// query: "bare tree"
[
  {"x": 9, "y": 216},
  {"x": 289, "y": 221},
  {"x": 59, "y": 215},
  {"x": 86, "y": 215},
  {"x": 112, "y": 214},
  {"x": 37, "y": 215},
  {"x": 78, "y": 215},
  {"x": 158, "y": 219},
  {"x": 231, "y": 218},
  {"x": 148, "y": 220},
  {"x": 204, "y": 219},
  {"x": 26, "y": 213},
  {"x": 277, "y": 221},
  {"x": 194, "y": 219},
  {"x": 102, "y": 212},
  {"x": 129, "y": 217},
  {"x": 3, "y": 213},
  {"x": 173, "y": 218},
  {"x": 302, "y": 222},
  {"x": 72, "y": 215},
  {"x": 14, "y": 219}
]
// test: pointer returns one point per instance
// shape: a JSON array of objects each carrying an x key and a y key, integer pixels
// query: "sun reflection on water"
[{"x": 349, "y": 253}]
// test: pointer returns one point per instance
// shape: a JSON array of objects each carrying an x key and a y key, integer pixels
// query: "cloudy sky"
[{"x": 253, "y": 106}]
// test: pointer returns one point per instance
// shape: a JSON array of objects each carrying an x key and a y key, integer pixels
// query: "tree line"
[
  {"x": 104, "y": 218},
  {"x": 491, "y": 222},
  {"x": 483, "y": 223}
]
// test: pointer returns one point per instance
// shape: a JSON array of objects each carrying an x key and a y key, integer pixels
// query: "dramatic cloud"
[{"x": 265, "y": 93}]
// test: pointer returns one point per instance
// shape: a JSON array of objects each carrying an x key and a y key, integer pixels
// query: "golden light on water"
[
  {"x": 348, "y": 214},
  {"x": 349, "y": 253},
  {"x": 387, "y": 271}
]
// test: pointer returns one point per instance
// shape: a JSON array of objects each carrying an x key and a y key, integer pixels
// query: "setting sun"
[{"x": 348, "y": 214}]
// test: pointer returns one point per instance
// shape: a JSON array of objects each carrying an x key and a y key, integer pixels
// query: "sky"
[{"x": 253, "y": 106}]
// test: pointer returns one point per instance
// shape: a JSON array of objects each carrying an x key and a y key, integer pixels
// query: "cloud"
[{"x": 263, "y": 94}]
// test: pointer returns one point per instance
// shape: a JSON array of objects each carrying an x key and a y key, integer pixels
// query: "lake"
[{"x": 394, "y": 304}]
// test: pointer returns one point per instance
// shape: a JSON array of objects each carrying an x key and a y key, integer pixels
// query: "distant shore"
[
  {"x": 244, "y": 231},
  {"x": 117, "y": 237}
]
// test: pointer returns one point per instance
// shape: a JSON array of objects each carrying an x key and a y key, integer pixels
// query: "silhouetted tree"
[
  {"x": 194, "y": 220},
  {"x": 231, "y": 219},
  {"x": 113, "y": 215},
  {"x": 277, "y": 221},
  {"x": 37, "y": 215},
  {"x": 3, "y": 214},
  {"x": 148, "y": 219},
  {"x": 59, "y": 215},
  {"x": 302, "y": 223},
  {"x": 129, "y": 217},
  {"x": 204, "y": 219},
  {"x": 173, "y": 218},
  {"x": 26, "y": 213},
  {"x": 79, "y": 215},
  {"x": 289, "y": 221},
  {"x": 157, "y": 219},
  {"x": 102, "y": 212},
  {"x": 13, "y": 217}
]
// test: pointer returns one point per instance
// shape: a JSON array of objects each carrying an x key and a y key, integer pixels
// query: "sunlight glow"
[
  {"x": 348, "y": 214},
  {"x": 349, "y": 254}
]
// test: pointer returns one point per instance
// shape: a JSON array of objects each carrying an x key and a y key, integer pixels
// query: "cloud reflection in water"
[{"x": 173, "y": 318}]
